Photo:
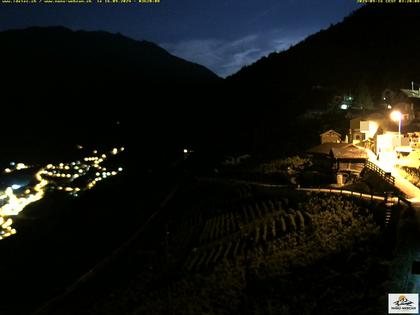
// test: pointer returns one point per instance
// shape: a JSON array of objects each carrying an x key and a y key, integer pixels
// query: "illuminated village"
[
  {"x": 387, "y": 137},
  {"x": 71, "y": 177}
]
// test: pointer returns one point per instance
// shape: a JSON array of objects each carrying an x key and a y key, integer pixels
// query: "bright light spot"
[
  {"x": 185, "y": 151},
  {"x": 7, "y": 223},
  {"x": 21, "y": 166},
  {"x": 396, "y": 115},
  {"x": 373, "y": 128},
  {"x": 16, "y": 186},
  {"x": 389, "y": 107},
  {"x": 120, "y": 169},
  {"x": 343, "y": 106},
  {"x": 7, "y": 170},
  {"x": 114, "y": 151}
]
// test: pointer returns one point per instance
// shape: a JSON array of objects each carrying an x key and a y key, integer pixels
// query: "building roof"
[
  {"x": 349, "y": 152},
  {"x": 411, "y": 93},
  {"x": 331, "y": 131},
  {"x": 339, "y": 150},
  {"x": 325, "y": 148}
]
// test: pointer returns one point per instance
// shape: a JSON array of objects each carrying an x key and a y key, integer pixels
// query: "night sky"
[{"x": 221, "y": 35}]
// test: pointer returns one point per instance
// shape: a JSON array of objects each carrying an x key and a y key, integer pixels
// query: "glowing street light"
[{"x": 396, "y": 116}]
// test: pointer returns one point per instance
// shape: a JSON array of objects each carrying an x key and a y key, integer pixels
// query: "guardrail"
[
  {"x": 347, "y": 193},
  {"x": 385, "y": 175},
  {"x": 385, "y": 197}
]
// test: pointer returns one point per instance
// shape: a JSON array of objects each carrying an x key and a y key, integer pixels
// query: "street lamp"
[{"x": 397, "y": 116}]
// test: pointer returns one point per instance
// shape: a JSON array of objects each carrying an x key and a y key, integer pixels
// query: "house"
[
  {"x": 339, "y": 157},
  {"x": 350, "y": 158},
  {"x": 330, "y": 136},
  {"x": 364, "y": 128}
]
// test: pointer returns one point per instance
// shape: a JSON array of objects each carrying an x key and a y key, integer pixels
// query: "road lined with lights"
[{"x": 72, "y": 178}]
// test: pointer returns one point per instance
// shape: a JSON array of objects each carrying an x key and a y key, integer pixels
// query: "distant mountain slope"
[
  {"x": 377, "y": 44},
  {"x": 49, "y": 47},
  {"x": 61, "y": 84}
]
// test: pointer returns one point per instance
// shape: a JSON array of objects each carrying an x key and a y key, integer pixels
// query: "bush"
[{"x": 277, "y": 166}]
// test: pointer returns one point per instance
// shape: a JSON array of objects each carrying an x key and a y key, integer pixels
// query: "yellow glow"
[
  {"x": 396, "y": 115},
  {"x": 7, "y": 223},
  {"x": 21, "y": 166},
  {"x": 373, "y": 127}
]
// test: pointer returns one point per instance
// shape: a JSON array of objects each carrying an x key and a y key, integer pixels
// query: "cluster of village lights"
[{"x": 60, "y": 177}]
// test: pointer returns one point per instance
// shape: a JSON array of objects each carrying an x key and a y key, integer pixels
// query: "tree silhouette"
[{"x": 363, "y": 98}]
